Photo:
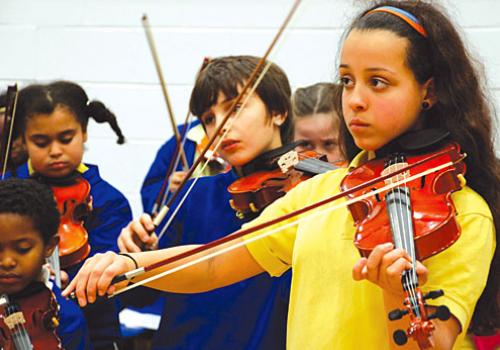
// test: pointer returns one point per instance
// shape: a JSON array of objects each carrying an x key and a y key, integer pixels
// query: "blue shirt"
[
  {"x": 158, "y": 170},
  {"x": 251, "y": 314},
  {"x": 72, "y": 329},
  {"x": 110, "y": 213}
]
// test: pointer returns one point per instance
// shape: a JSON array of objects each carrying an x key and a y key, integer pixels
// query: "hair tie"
[{"x": 404, "y": 15}]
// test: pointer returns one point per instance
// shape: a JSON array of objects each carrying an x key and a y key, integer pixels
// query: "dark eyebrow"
[
  {"x": 372, "y": 69},
  {"x": 62, "y": 133}
]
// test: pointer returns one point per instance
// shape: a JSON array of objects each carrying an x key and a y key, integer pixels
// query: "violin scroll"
[{"x": 421, "y": 326}]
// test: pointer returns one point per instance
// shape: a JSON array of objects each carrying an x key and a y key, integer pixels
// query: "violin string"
[
  {"x": 403, "y": 230},
  {"x": 409, "y": 244},
  {"x": 314, "y": 214},
  {"x": 413, "y": 271},
  {"x": 21, "y": 334},
  {"x": 403, "y": 235},
  {"x": 177, "y": 160}
]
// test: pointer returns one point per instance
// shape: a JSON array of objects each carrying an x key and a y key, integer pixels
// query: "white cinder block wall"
[{"x": 101, "y": 45}]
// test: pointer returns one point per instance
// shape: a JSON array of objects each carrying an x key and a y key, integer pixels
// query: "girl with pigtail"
[{"x": 52, "y": 120}]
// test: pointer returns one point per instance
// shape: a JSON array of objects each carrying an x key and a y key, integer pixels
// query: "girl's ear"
[
  {"x": 429, "y": 92},
  {"x": 279, "y": 119},
  {"x": 51, "y": 245}
]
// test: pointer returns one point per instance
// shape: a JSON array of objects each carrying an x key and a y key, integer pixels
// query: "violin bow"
[
  {"x": 252, "y": 82},
  {"x": 174, "y": 160},
  {"x": 152, "y": 47},
  {"x": 8, "y": 127},
  {"x": 240, "y": 233}
]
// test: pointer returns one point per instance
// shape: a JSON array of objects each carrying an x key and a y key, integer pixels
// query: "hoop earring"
[{"x": 425, "y": 105}]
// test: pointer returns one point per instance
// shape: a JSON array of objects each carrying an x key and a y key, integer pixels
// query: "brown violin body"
[
  {"x": 433, "y": 211},
  {"x": 417, "y": 215},
  {"x": 74, "y": 203},
  {"x": 29, "y": 321},
  {"x": 252, "y": 193}
]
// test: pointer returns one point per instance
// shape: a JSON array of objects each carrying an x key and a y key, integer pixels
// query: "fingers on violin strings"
[
  {"x": 374, "y": 262},
  {"x": 422, "y": 273}
]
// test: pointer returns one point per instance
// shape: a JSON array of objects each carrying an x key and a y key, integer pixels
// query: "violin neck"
[
  {"x": 54, "y": 262},
  {"x": 401, "y": 220}
]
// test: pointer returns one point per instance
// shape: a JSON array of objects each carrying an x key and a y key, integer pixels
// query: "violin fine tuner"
[{"x": 417, "y": 329}]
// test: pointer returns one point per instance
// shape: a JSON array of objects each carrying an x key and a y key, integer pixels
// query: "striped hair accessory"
[{"x": 404, "y": 15}]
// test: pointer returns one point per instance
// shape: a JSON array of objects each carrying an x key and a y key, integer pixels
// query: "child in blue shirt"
[
  {"x": 28, "y": 234},
  {"x": 251, "y": 314}
]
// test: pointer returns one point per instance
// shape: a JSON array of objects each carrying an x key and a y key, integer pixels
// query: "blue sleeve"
[
  {"x": 72, "y": 327},
  {"x": 157, "y": 171},
  {"x": 154, "y": 179},
  {"x": 110, "y": 213},
  {"x": 173, "y": 235}
]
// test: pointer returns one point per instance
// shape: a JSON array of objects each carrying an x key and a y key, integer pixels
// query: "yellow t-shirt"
[{"x": 328, "y": 309}]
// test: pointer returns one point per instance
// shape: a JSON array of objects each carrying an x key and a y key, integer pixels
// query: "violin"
[
  {"x": 254, "y": 192},
  {"x": 28, "y": 319},
  {"x": 74, "y": 203},
  {"x": 417, "y": 216}
]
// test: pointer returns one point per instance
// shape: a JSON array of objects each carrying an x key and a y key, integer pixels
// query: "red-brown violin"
[
  {"x": 74, "y": 204},
  {"x": 252, "y": 193},
  {"x": 417, "y": 216},
  {"x": 28, "y": 320}
]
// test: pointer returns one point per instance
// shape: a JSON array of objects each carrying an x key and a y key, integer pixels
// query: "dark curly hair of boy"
[{"x": 31, "y": 199}]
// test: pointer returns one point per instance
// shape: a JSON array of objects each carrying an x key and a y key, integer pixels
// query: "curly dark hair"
[
  {"x": 226, "y": 74},
  {"x": 31, "y": 199},
  {"x": 462, "y": 108}
]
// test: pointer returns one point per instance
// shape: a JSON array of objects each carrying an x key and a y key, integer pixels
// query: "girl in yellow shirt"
[{"x": 404, "y": 68}]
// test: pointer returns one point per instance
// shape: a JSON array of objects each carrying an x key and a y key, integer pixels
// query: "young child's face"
[
  {"x": 251, "y": 134},
  {"x": 22, "y": 252},
  {"x": 55, "y": 142},
  {"x": 320, "y": 131},
  {"x": 381, "y": 98}
]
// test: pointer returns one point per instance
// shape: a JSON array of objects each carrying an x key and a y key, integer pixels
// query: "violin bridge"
[
  {"x": 14, "y": 320},
  {"x": 288, "y": 161}
]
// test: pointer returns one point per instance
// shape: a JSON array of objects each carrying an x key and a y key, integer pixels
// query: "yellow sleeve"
[
  {"x": 462, "y": 269},
  {"x": 274, "y": 251}
]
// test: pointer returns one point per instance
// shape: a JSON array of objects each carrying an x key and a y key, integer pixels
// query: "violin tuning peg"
[
  {"x": 400, "y": 337},
  {"x": 434, "y": 294},
  {"x": 442, "y": 313},
  {"x": 397, "y": 314}
]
